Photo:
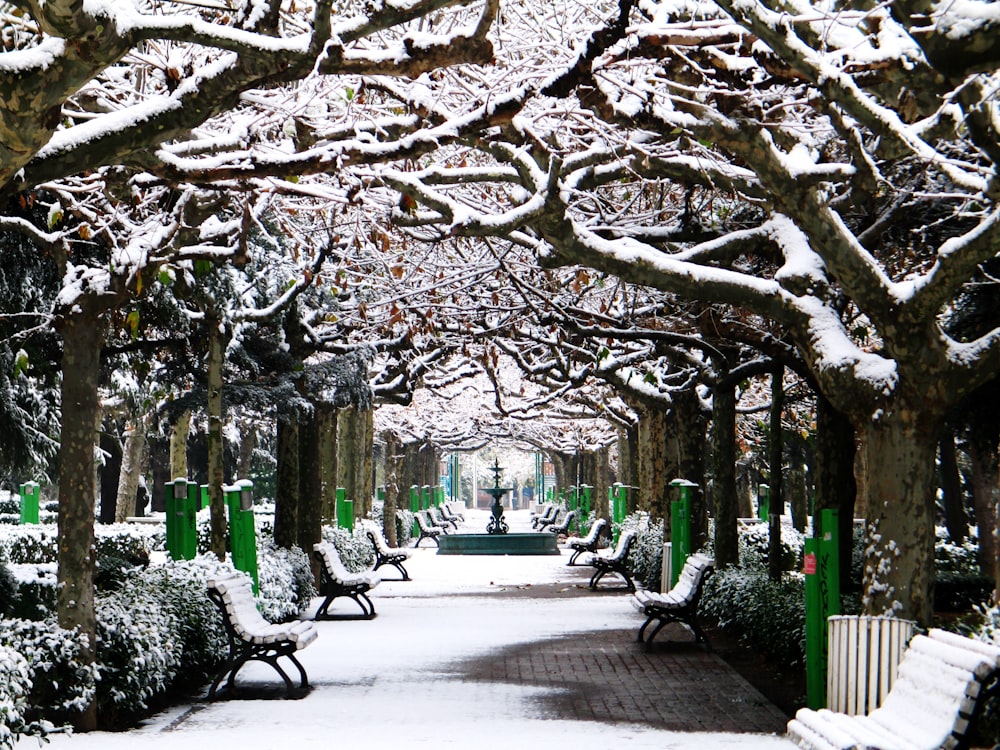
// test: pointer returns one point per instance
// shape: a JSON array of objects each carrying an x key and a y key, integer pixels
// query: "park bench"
[
  {"x": 557, "y": 514},
  {"x": 680, "y": 604},
  {"x": 438, "y": 518},
  {"x": 336, "y": 580},
  {"x": 456, "y": 513},
  {"x": 548, "y": 512},
  {"x": 427, "y": 529},
  {"x": 251, "y": 637},
  {"x": 589, "y": 543},
  {"x": 384, "y": 554},
  {"x": 450, "y": 516},
  {"x": 617, "y": 562},
  {"x": 941, "y": 685},
  {"x": 563, "y": 526}
]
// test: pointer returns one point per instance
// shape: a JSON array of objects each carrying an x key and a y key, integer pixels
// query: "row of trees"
[{"x": 197, "y": 200}]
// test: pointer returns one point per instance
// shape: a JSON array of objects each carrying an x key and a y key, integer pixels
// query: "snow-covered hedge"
[
  {"x": 53, "y": 684},
  {"x": 36, "y": 543},
  {"x": 157, "y": 631},
  {"x": 646, "y": 554}
]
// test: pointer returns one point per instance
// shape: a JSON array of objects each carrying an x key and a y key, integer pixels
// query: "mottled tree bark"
[
  {"x": 775, "y": 459},
  {"x": 131, "y": 469},
  {"x": 327, "y": 416},
  {"x": 393, "y": 460},
  {"x": 310, "y": 521},
  {"x": 286, "y": 494},
  {"x": 83, "y": 335},
  {"x": 955, "y": 519},
  {"x": 724, "y": 472},
  {"x": 216, "y": 443},
  {"x": 178, "y": 446},
  {"x": 896, "y": 462}
]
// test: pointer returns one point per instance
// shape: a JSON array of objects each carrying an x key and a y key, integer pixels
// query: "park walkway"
[{"x": 480, "y": 652}]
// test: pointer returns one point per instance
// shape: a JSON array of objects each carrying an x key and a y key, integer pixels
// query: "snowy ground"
[{"x": 386, "y": 682}]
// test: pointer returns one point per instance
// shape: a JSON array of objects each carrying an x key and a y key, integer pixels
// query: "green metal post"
[
  {"x": 425, "y": 497},
  {"x": 815, "y": 628},
  {"x": 414, "y": 507},
  {"x": 585, "y": 493},
  {"x": 822, "y": 568},
  {"x": 29, "y": 502},
  {"x": 763, "y": 501},
  {"x": 176, "y": 494},
  {"x": 242, "y": 532},
  {"x": 345, "y": 510},
  {"x": 189, "y": 524},
  {"x": 680, "y": 528}
]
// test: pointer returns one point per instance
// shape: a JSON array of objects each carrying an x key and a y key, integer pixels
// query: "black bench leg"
[
  {"x": 572, "y": 558},
  {"x": 642, "y": 630},
  {"x": 659, "y": 626},
  {"x": 402, "y": 570},
  {"x": 598, "y": 575}
]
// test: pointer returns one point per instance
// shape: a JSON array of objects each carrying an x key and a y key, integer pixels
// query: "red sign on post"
[{"x": 809, "y": 564}]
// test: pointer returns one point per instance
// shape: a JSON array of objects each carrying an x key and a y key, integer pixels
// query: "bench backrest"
[
  {"x": 692, "y": 579},
  {"x": 567, "y": 519},
  {"x": 624, "y": 545},
  {"x": 938, "y": 685},
  {"x": 330, "y": 558},
  {"x": 595, "y": 531},
  {"x": 234, "y": 596},
  {"x": 378, "y": 541},
  {"x": 424, "y": 521}
]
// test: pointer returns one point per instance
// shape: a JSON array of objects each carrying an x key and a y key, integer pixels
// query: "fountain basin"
[{"x": 537, "y": 543}]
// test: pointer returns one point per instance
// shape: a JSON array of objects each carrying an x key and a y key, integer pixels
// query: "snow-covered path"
[{"x": 388, "y": 681}]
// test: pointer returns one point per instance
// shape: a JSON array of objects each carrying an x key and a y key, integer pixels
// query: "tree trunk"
[
  {"x": 216, "y": 442},
  {"x": 393, "y": 459},
  {"x": 178, "y": 446},
  {"x": 83, "y": 336},
  {"x": 955, "y": 519},
  {"x": 983, "y": 462},
  {"x": 836, "y": 484},
  {"x": 327, "y": 416},
  {"x": 286, "y": 493},
  {"x": 248, "y": 444},
  {"x": 775, "y": 451},
  {"x": 628, "y": 468},
  {"x": 686, "y": 453},
  {"x": 724, "y": 472},
  {"x": 109, "y": 471},
  {"x": 131, "y": 468},
  {"x": 651, "y": 457},
  {"x": 896, "y": 461},
  {"x": 310, "y": 522},
  {"x": 354, "y": 450}
]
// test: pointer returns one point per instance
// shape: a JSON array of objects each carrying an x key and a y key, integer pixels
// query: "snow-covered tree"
[{"x": 804, "y": 132}]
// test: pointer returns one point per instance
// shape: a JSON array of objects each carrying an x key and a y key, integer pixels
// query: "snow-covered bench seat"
[
  {"x": 616, "y": 562},
  {"x": 940, "y": 687},
  {"x": 680, "y": 604},
  {"x": 336, "y": 580},
  {"x": 251, "y": 637},
  {"x": 588, "y": 543},
  {"x": 386, "y": 555}
]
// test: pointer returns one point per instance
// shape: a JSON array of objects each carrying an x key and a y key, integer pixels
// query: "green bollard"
[
  {"x": 345, "y": 510},
  {"x": 815, "y": 647},
  {"x": 242, "y": 532},
  {"x": 763, "y": 502},
  {"x": 414, "y": 507},
  {"x": 822, "y": 571},
  {"x": 585, "y": 494},
  {"x": 680, "y": 528},
  {"x": 29, "y": 502},
  {"x": 425, "y": 497},
  {"x": 182, "y": 499}
]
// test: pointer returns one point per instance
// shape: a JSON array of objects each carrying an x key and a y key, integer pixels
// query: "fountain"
[{"x": 498, "y": 540}]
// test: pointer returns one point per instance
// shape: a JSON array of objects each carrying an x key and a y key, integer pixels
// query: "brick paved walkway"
[{"x": 609, "y": 677}]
